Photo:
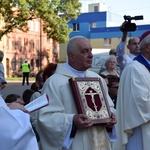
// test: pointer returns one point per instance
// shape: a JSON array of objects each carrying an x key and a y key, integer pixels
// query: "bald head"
[{"x": 113, "y": 52}]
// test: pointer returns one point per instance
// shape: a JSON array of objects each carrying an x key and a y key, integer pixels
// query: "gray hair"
[
  {"x": 110, "y": 57},
  {"x": 73, "y": 43},
  {"x": 146, "y": 40}
]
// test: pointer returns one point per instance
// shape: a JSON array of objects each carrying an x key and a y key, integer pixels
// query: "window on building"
[
  {"x": 37, "y": 63},
  {"x": 32, "y": 63},
  {"x": 8, "y": 43},
  {"x": 13, "y": 64},
  {"x": 20, "y": 44},
  {"x": 54, "y": 47},
  {"x": 31, "y": 45},
  {"x": 76, "y": 27},
  {"x": 1, "y": 22},
  {"x": 37, "y": 26},
  {"x": 95, "y": 8},
  {"x": 48, "y": 39},
  {"x": 92, "y": 25},
  {"x": 48, "y": 53},
  {"x": 37, "y": 45},
  {"x": 13, "y": 43},
  {"x": 19, "y": 63},
  {"x": 107, "y": 42},
  {"x": 31, "y": 25},
  {"x": 25, "y": 41}
]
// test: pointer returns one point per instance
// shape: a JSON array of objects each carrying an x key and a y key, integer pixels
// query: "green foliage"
[{"x": 54, "y": 15}]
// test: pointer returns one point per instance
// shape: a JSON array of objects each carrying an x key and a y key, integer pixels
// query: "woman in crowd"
[{"x": 111, "y": 77}]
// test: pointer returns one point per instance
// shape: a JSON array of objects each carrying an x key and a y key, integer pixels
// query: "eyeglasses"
[{"x": 113, "y": 53}]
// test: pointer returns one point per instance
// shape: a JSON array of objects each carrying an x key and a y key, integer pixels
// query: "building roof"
[{"x": 90, "y": 17}]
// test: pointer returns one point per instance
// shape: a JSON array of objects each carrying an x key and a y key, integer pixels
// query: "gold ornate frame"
[{"x": 90, "y": 99}]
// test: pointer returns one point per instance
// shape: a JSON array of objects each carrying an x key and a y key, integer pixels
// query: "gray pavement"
[{"x": 15, "y": 87}]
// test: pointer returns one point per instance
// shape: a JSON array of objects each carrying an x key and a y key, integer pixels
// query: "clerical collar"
[
  {"x": 76, "y": 72},
  {"x": 140, "y": 58}
]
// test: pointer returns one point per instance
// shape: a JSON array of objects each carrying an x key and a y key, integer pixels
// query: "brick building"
[{"x": 32, "y": 45}]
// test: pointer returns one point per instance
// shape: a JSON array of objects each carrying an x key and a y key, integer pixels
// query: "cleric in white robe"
[
  {"x": 15, "y": 129},
  {"x": 133, "y": 103},
  {"x": 60, "y": 117}
]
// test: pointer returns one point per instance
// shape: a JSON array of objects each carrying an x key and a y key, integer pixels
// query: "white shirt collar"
[
  {"x": 76, "y": 72},
  {"x": 131, "y": 56}
]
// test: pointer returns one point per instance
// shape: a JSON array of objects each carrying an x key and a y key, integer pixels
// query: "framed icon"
[{"x": 90, "y": 99}]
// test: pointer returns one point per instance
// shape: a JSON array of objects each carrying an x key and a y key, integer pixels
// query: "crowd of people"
[{"x": 116, "y": 109}]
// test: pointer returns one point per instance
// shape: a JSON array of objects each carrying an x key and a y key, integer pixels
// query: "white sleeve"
[
  {"x": 112, "y": 135},
  {"x": 33, "y": 115},
  {"x": 15, "y": 128},
  {"x": 121, "y": 55},
  {"x": 68, "y": 140},
  {"x": 121, "y": 48}
]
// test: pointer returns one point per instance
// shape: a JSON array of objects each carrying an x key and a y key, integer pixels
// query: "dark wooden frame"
[{"x": 80, "y": 87}]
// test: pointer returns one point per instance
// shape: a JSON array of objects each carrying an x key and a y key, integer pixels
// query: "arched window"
[{"x": 13, "y": 64}]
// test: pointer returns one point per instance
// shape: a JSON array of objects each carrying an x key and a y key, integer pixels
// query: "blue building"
[{"x": 101, "y": 28}]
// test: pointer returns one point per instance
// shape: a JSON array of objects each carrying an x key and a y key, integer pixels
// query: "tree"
[{"x": 54, "y": 15}]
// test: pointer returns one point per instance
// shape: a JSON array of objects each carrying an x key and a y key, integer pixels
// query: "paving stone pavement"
[{"x": 15, "y": 87}]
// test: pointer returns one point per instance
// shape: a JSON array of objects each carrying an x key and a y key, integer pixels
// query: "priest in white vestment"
[
  {"x": 59, "y": 125},
  {"x": 133, "y": 102},
  {"x": 16, "y": 132}
]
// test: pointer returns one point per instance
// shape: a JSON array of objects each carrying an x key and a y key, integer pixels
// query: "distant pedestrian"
[
  {"x": 113, "y": 52},
  {"x": 25, "y": 71},
  {"x": 2, "y": 76},
  {"x": 1, "y": 64}
]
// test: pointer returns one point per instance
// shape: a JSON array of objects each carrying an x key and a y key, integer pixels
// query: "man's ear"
[
  {"x": 71, "y": 56},
  {"x": 147, "y": 46},
  {"x": 128, "y": 46}
]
